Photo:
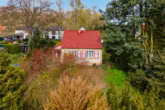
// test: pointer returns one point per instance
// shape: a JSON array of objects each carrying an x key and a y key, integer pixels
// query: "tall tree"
[
  {"x": 87, "y": 18},
  {"x": 30, "y": 10},
  {"x": 60, "y": 16},
  {"x": 76, "y": 5},
  {"x": 141, "y": 21}
]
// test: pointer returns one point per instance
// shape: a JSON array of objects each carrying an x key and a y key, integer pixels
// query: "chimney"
[{"x": 81, "y": 29}]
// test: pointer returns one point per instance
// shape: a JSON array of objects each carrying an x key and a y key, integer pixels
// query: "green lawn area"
[{"x": 115, "y": 76}]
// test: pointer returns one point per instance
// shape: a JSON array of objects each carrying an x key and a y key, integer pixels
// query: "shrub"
[
  {"x": 129, "y": 99},
  {"x": 105, "y": 67},
  {"x": 38, "y": 89},
  {"x": 39, "y": 84},
  {"x": 69, "y": 61},
  {"x": 106, "y": 56},
  {"x": 13, "y": 49},
  {"x": 38, "y": 41},
  {"x": 138, "y": 80},
  {"x": 17, "y": 58},
  {"x": 3, "y": 42},
  {"x": 11, "y": 85},
  {"x": 74, "y": 95},
  {"x": 128, "y": 55},
  {"x": 58, "y": 42},
  {"x": 37, "y": 62},
  {"x": 97, "y": 101}
]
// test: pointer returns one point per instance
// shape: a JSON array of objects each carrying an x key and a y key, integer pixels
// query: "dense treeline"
[{"x": 134, "y": 36}]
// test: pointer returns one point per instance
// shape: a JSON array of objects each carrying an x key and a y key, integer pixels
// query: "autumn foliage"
[
  {"x": 75, "y": 94},
  {"x": 38, "y": 60}
]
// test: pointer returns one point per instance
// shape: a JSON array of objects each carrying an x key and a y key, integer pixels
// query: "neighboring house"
[
  {"x": 55, "y": 32},
  {"x": 10, "y": 36},
  {"x": 22, "y": 32},
  {"x": 85, "y": 45}
]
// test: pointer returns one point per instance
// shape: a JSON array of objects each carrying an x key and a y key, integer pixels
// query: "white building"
[
  {"x": 53, "y": 32},
  {"x": 22, "y": 32}
]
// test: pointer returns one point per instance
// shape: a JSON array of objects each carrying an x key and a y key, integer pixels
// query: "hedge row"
[{"x": 13, "y": 49}]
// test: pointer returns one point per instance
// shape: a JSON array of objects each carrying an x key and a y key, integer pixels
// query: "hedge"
[{"x": 13, "y": 49}]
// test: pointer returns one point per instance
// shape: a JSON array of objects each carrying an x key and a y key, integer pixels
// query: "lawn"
[{"x": 116, "y": 77}]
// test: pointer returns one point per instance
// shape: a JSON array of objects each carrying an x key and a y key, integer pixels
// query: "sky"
[{"x": 100, "y": 4}]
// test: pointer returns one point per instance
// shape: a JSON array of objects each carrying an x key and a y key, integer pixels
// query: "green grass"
[
  {"x": 116, "y": 77},
  {"x": 105, "y": 67}
]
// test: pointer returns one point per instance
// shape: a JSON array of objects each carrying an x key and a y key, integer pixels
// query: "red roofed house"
[
  {"x": 85, "y": 45},
  {"x": 2, "y": 28}
]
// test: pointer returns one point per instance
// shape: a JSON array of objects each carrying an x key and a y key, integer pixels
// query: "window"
[
  {"x": 83, "y": 54},
  {"x": 56, "y": 32},
  {"x": 53, "y": 37},
  {"x": 78, "y": 54},
  {"x": 90, "y": 54},
  {"x": 96, "y": 54},
  {"x": 66, "y": 51},
  {"x": 53, "y": 33},
  {"x": 74, "y": 53}
]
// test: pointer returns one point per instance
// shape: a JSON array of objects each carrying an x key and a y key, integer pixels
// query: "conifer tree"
[{"x": 11, "y": 85}]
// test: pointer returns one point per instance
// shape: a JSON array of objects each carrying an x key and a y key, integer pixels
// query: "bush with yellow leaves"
[{"x": 76, "y": 94}]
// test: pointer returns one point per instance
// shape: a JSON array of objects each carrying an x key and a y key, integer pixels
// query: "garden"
[
  {"x": 38, "y": 80},
  {"x": 131, "y": 77}
]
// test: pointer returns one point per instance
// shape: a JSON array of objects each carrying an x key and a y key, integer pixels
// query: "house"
[
  {"x": 10, "y": 36},
  {"x": 55, "y": 32},
  {"x": 84, "y": 45},
  {"x": 22, "y": 32}
]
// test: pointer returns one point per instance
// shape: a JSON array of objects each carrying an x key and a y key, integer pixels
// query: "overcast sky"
[{"x": 100, "y": 4}]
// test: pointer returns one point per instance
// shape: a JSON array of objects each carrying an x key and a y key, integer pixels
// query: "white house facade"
[
  {"x": 22, "y": 33},
  {"x": 55, "y": 32},
  {"x": 89, "y": 56},
  {"x": 57, "y": 35}
]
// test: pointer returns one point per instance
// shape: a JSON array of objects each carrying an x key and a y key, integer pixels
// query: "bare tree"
[
  {"x": 76, "y": 6},
  {"x": 9, "y": 18},
  {"x": 29, "y": 11},
  {"x": 60, "y": 16}
]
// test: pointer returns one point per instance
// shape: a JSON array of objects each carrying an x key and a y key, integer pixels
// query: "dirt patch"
[{"x": 97, "y": 75}]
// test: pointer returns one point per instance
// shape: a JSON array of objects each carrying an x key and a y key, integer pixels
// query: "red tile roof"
[
  {"x": 2, "y": 28},
  {"x": 82, "y": 40}
]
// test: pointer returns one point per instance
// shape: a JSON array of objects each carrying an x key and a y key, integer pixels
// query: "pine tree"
[
  {"x": 11, "y": 85},
  {"x": 38, "y": 41}
]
